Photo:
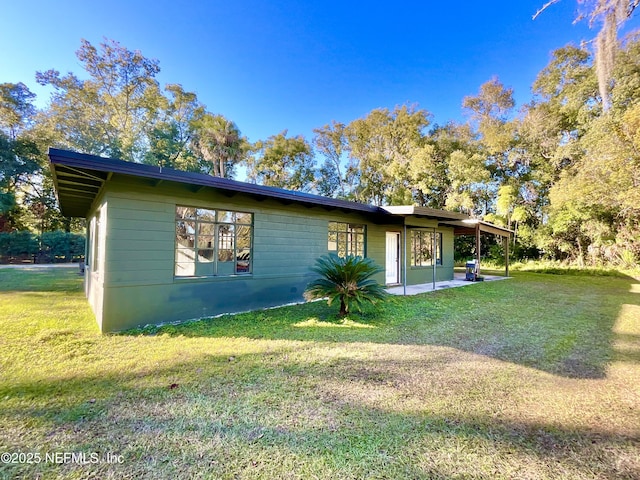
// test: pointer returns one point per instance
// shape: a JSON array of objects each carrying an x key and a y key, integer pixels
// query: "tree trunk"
[{"x": 343, "y": 308}]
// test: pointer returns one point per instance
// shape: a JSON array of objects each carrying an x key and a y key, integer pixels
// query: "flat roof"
[
  {"x": 471, "y": 226},
  {"x": 416, "y": 211},
  {"x": 79, "y": 178}
]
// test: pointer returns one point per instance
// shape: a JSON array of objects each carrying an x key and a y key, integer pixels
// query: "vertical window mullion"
[{"x": 216, "y": 246}]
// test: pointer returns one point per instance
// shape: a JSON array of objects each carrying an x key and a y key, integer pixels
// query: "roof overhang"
[
  {"x": 79, "y": 178},
  {"x": 473, "y": 226},
  {"x": 424, "y": 212}
]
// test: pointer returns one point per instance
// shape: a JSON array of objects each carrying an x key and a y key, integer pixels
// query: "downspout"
[{"x": 404, "y": 261}]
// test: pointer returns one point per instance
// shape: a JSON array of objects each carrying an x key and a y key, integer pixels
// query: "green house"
[{"x": 168, "y": 246}]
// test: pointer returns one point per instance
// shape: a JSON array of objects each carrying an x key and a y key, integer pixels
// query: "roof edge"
[{"x": 105, "y": 164}]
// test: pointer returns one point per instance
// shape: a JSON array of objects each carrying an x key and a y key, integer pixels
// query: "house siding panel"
[{"x": 140, "y": 287}]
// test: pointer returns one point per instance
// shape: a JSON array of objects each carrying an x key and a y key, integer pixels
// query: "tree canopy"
[{"x": 562, "y": 171}]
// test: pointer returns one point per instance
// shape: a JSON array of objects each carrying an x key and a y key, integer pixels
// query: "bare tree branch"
[{"x": 545, "y": 6}]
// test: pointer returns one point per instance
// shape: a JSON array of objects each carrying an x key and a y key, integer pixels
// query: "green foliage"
[
  {"x": 171, "y": 133},
  {"x": 564, "y": 173},
  {"x": 335, "y": 178},
  {"x": 383, "y": 145},
  {"x": 18, "y": 244},
  {"x": 47, "y": 248},
  {"x": 346, "y": 279},
  {"x": 62, "y": 245},
  {"x": 284, "y": 162},
  {"x": 218, "y": 142},
  {"x": 110, "y": 112}
]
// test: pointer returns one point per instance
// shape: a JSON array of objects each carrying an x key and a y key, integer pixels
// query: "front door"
[{"x": 392, "y": 269}]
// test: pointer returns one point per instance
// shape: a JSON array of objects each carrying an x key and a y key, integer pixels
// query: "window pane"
[
  {"x": 333, "y": 226},
  {"x": 342, "y": 244},
  {"x": 243, "y": 218},
  {"x": 187, "y": 213},
  {"x": 333, "y": 241},
  {"x": 206, "y": 228},
  {"x": 243, "y": 236},
  {"x": 185, "y": 237},
  {"x": 206, "y": 215},
  {"x": 205, "y": 241},
  {"x": 184, "y": 255},
  {"x": 225, "y": 243},
  {"x": 205, "y": 255},
  {"x": 186, "y": 227},
  {"x": 185, "y": 269},
  {"x": 225, "y": 216},
  {"x": 243, "y": 261}
]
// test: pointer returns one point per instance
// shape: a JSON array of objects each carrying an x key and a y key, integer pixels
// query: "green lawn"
[{"x": 533, "y": 377}]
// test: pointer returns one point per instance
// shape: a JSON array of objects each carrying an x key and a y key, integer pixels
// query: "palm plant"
[{"x": 346, "y": 279}]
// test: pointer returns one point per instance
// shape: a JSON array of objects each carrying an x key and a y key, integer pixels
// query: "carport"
[{"x": 478, "y": 227}]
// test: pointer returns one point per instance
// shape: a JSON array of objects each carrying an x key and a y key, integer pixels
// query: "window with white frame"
[
  {"x": 422, "y": 248},
  {"x": 212, "y": 242},
  {"x": 95, "y": 247}
]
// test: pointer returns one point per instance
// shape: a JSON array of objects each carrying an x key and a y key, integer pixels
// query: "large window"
[
  {"x": 212, "y": 242},
  {"x": 422, "y": 250},
  {"x": 347, "y": 239},
  {"x": 93, "y": 243}
]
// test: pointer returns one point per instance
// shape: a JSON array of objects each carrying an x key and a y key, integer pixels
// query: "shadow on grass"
[
  {"x": 565, "y": 325},
  {"x": 34, "y": 278},
  {"x": 251, "y": 419}
]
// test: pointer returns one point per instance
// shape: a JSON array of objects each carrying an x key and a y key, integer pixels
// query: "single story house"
[{"x": 166, "y": 245}]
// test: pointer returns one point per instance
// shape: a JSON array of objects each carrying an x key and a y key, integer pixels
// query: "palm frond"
[{"x": 347, "y": 279}]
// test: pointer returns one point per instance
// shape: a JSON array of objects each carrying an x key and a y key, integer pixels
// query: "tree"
[
  {"x": 491, "y": 109},
  {"x": 19, "y": 155},
  {"x": 170, "y": 136},
  {"x": 283, "y": 162},
  {"x": 218, "y": 144},
  {"x": 337, "y": 175},
  {"x": 611, "y": 14},
  {"x": 384, "y": 144},
  {"x": 112, "y": 111},
  {"x": 346, "y": 279},
  {"x": 16, "y": 109}
]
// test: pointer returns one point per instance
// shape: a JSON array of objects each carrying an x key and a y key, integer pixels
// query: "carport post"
[
  {"x": 433, "y": 257},
  {"x": 478, "y": 248},
  {"x": 404, "y": 261},
  {"x": 506, "y": 255}
]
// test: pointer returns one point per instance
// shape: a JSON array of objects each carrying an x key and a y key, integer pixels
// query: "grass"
[{"x": 534, "y": 377}]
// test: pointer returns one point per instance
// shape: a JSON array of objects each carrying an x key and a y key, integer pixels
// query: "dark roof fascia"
[{"x": 110, "y": 165}]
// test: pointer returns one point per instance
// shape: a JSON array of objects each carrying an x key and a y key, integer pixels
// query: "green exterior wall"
[{"x": 133, "y": 282}]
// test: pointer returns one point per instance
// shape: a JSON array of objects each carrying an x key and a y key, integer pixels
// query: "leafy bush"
[
  {"x": 18, "y": 244},
  {"x": 50, "y": 247},
  {"x": 61, "y": 244},
  {"x": 346, "y": 279}
]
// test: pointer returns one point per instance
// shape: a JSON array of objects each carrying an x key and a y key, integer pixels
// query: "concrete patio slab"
[{"x": 458, "y": 281}]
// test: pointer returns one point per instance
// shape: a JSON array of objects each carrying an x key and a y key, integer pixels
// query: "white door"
[{"x": 392, "y": 269}]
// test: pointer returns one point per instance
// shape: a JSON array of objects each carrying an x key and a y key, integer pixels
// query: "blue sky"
[{"x": 297, "y": 65}]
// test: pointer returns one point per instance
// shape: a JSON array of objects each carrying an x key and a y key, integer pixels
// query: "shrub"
[
  {"x": 62, "y": 245},
  {"x": 18, "y": 244},
  {"x": 49, "y": 247},
  {"x": 346, "y": 279}
]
